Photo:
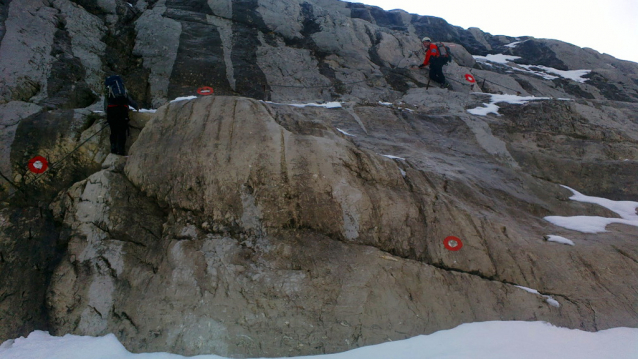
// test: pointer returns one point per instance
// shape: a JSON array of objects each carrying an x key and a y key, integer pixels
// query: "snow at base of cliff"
[{"x": 485, "y": 340}]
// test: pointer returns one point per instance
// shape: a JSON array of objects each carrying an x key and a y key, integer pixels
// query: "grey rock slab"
[
  {"x": 224, "y": 27},
  {"x": 157, "y": 42},
  {"x": 245, "y": 228},
  {"x": 30, "y": 28},
  {"x": 10, "y": 115},
  {"x": 86, "y": 31},
  {"x": 222, "y": 8},
  {"x": 292, "y": 74},
  {"x": 283, "y": 17},
  {"x": 28, "y": 249}
]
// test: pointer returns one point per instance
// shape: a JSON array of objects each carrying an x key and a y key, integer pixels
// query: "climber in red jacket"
[{"x": 432, "y": 58}]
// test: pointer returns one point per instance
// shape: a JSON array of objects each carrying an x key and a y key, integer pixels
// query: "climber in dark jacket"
[
  {"x": 116, "y": 108},
  {"x": 432, "y": 58}
]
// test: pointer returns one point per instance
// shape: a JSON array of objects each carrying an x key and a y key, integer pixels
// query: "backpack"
[
  {"x": 115, "y": 88},
  {"x": 444, "y": 53}
]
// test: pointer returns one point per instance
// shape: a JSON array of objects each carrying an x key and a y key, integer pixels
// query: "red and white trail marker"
[
  {"x": 452, "y": 243},
  {"x": 38, "y": 164},
  {"x": 206, "y": 90}
]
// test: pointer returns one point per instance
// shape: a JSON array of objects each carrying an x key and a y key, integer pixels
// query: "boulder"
[
  {"x": 274, "y": 230},
  {"x": 247, "y": 222}
]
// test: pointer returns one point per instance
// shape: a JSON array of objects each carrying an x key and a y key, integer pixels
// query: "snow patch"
[
  {"x": 513, "y": 44},
  {"x": 550, "y": 73},
  {"x": 394, "y": 157},
  {"x": 326, "y": 105},
  {"x": 575, "y": 75},
  {"x": 493, "y": 108},
  {"x": 551, "y": 301},
  {"x": 559, "y": 239},
  {"x": 497, "y": 58},
  {"x": 345, "y": 133},
  {"x": 484, "y": 340},
  {"x": 186, "y": 98},
  {"x": 595, "y": 224},
  {"x": 484, "y": 111}
]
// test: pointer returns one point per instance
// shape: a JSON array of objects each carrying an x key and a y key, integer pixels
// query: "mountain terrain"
[{"x": 307, "y": 205}]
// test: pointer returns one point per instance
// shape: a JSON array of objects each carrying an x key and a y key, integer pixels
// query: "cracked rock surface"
[
  {"x": 269, "y": 232},
  {"x": 242, "y": 226}
]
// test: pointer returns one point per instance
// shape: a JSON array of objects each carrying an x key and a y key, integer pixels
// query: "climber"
[
  {"x": 116, "y": 105},
  {"x": 435, "y": 61}
]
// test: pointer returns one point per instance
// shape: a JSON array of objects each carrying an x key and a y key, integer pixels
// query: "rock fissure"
[
  {"x": 252, "y": 222},
  {"x": 625, "y": 254}
]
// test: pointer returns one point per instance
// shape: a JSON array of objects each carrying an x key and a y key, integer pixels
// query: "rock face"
[{"x": 245, "y": 227}]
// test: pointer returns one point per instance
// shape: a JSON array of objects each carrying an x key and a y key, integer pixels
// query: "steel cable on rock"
[
  {"x": 58, "y": 162},
  {"x": 328, "y": 86}
]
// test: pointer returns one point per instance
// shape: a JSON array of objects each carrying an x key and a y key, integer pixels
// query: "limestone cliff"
[{"x": 243, "y": 226}]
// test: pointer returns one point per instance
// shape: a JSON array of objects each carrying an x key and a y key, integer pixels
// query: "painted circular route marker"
[
  {"x": 452, "y": 243},
  {"x": 469, "y": 78},
  {"x": 38, "y": 164},
  {"x": 206, "y": 90}
]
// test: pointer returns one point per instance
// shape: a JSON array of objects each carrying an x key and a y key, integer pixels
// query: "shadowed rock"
[{"x": 247, "y": 228}]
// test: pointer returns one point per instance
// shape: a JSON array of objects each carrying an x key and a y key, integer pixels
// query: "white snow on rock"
[
  {"x": 186, "y": 98},
  {"x": 513, "y": 44},
  {"x": 548, "y": 298},
  {"x": 528, "y": 70},
  {"x": 394, "y": 157},
  {"x": 575, "y": 75},
  {"x": 484, "y": 111},
  {"x": 498, "y": 58},
  {"x": 559, "y": 239},
  {"x": 548, "y": 73},
  {"x": 345, "y": 133},
  {"x": 595, "y": 224},
  {"x": 484, "y": 340},
  {"x": 551, "y": 301},
  {"x": 492, "y": 108},
  {"x": 326, "y": 105}
]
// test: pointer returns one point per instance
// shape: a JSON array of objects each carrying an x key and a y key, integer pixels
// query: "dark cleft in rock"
[
  {"x": 378, "y": 16},
  {"x": 28, "y": 255},
  {"x": 533, "y": 52},
  {"x": 4, "y": 12},
  {"x": 119, "y": 59},
  {"x": 435, "y": 28},
  {"x": 610, "y": 89},
  {"x": 249, "y": 78},
  {"x": 66, "y": 85},
  {"x": 53, "y": 135},
  {"x": 199, "y": 62},
  {"x": 195, "y": 6}
]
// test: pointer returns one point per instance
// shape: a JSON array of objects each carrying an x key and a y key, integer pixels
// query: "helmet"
[{"x": 426, "y": 39}]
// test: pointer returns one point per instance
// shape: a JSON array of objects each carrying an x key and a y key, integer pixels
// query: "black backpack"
[
  {"x": 115, "y": 88},
  {"x": 444, "y": 53}
]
